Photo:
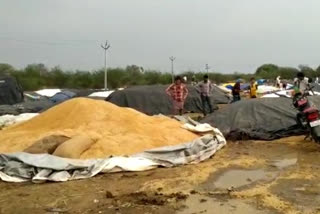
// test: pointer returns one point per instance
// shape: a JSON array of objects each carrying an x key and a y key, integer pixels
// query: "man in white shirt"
[{"x": 301, "y": 82}]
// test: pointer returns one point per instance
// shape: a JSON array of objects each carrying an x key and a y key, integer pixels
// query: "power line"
[{"x": 54, "y": 43}]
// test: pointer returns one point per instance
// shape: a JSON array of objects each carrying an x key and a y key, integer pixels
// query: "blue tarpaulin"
[
  {"x": 261, "y": 81},
  {"x": 244, "y": 86},
  {"x": 62, "y": 96}
]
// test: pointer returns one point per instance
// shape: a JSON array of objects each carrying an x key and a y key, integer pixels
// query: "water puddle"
[
  {"x": 303, "y": 193},
  {"x": 284, "y": 163},
  {"x": 235, "y": 178},
  {"x": 204, "y": 204}
]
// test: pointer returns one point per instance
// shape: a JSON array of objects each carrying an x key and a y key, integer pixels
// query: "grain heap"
[{"x": 117, "y": 131}]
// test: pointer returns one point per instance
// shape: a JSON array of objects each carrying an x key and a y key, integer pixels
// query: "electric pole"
[
  {"x": 106, "y": 46},
  {"x": 207, "y": 68},
  {"x": 172, "y": 72}
]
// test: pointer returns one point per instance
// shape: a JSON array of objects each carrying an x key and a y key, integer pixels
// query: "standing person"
[
  {"x": 178, "y": 92},
  {"x": 278, "y": 82},
  {"x": 185, "y": 80},
  {"x": 301, "y": 83},
  {"x": 236, "y": 91},
  {"x": 205, "y": 88},
  {"x": 253, "y": 88},
  {"x": 194, "y": 81},
  {"x": 284, "y": 85}
]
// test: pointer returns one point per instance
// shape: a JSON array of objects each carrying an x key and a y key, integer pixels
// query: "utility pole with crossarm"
[
  {"x": 106, "y": 46},
  {"x": 172, "y": 72}
]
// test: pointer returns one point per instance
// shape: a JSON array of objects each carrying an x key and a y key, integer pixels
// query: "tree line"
[{"x": 37, "y": 76}]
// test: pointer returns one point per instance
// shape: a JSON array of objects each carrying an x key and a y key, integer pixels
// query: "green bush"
[{"x": 37, "y": 76}]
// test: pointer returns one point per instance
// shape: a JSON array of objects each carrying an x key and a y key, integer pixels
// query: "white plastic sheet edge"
[{"x": 52, "y": 168}]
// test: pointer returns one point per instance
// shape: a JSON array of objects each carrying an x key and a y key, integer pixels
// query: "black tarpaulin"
[
  {"x": 264, "y": 119},
  {"x": 10, "y": 91},
  {"x": 154, "y": 100},
  {"x": 26, "y": 107}
]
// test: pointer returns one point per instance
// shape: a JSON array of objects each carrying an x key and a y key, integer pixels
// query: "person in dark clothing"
[
  {"x": 236, "y": 92},
  {"x": 205, "y": 88},
  {"x": 193, "y": 81}
]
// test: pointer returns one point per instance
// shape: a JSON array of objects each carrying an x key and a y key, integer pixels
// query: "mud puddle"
[
  {"x": 305, "y": 194},
  {"x": 204, "y": 204},
  {"x": 286, "y": 161},
  {"x": 237, "y": 178}
]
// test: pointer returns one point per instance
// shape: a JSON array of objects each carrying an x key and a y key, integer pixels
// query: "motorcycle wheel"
[
  {"x": 301, "y": 121},
  {"x": 315, "y": 133}
]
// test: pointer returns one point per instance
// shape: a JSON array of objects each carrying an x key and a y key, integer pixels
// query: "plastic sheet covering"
[
  {"x": 104, "y": 94},
  {"x": 8, "y": 109},
  {"x": 153, "y": 99},
  {"x": 10, "y": 91},
  {"x": 62, "y": 96},
  {"x": 21, "y": 167},
  {"x": 264, "y": 119},
  {"x": 33, "y": 106},
  {"x": 48, "y": 92},
  {"x": 263, "y": 89},
  {"x": 8, "y": 120}
]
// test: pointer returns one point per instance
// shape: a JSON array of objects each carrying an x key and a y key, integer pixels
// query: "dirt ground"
[{"x": 248, "y": 177}]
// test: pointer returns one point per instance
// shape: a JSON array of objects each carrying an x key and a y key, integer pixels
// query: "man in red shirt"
[{"x": 178, "y": 92}]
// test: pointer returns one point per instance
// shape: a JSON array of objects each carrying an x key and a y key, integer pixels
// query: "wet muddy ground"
[{"x": 246, "y": 177}]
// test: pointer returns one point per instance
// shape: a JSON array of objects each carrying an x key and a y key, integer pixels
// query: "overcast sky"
[{"x": 229, "y": 35}]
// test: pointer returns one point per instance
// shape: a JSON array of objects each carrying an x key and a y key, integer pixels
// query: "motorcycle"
[{"x": 308, "y": 115}]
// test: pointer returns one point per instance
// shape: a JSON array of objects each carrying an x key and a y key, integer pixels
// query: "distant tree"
[
  {"x": 308, "y": 71},
  {"x": 6, "y": 69},
  {"x": 37, "y": 76},
  {"x": 271, "y": 71},
  {"x": 152, "y": 77},
  {"x": 116, "y": 78},
  {"x": 267, "y": 68},
  {"x": 318, "y": 71},
  {"x": 287, "y": 72},
  {"x": 57, "y": 78},
  {"x": 81, "y": 79},
  {"x": 37, "y": 69},
  {"x": 305, "y": 68}
]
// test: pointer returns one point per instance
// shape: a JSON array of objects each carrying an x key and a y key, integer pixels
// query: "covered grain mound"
[
  {"x": 154, "y": 100},
  {"x": 115, "y": 130},
  {"x": 10, "y": 91},
  {"x": 261, "y": 119}
]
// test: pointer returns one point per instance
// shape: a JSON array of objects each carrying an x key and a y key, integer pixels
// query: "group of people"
[
  {"x": 178, "y": 91},
  {"x": 237, "y": 89}
]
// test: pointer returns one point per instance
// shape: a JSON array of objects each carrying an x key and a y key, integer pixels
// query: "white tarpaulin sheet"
[
  {"x": 20, "y": 167},
  {"x": 286, "y": 93},
  {"x": 263, "y": 89},
  {"x": 8, "y": 119},
  {"x": 48, "y": 92},
  {"x": 104, "y": 94},
  {"x": 283, "y": 93}
]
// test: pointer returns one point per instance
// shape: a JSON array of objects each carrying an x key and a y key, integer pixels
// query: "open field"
[{"x": 281, "y": 176}]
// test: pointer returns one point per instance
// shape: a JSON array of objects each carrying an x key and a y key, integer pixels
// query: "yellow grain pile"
[{"x": 118, "y": 131}]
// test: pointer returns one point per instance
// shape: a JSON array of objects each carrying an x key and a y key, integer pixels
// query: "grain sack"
[
  {"x": 47, "y": 144},
  {"x": 117, "y": 130},
  {"x": 74, "y": 147}
]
